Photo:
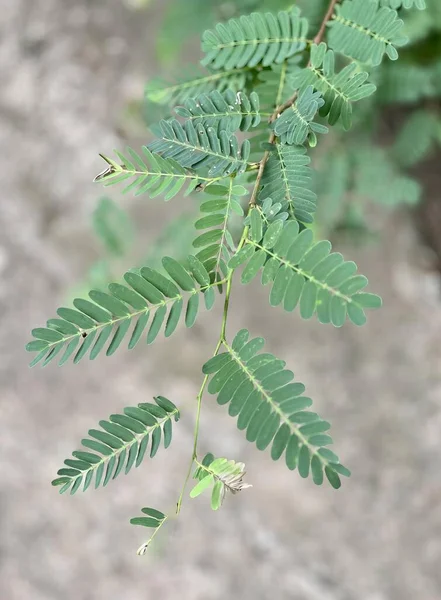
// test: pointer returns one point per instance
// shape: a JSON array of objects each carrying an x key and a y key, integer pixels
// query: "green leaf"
[
  {"x": 145, "y": 522},
  {"x": 201, "y": 486},
  {"x": 122, "y": 440},
  {"x": 150, "y": 173},
  {"x": 303, "y": 272},
  {"x": 260, "y": 38},
  {"x": 270, "y": 408},
  {"x": 196, "y": 145},
  {"x": 365, "y": 32},
  {"x": 109, "y": 316}
]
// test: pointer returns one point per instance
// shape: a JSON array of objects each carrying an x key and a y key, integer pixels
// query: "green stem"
[
  {"x": 196, "y": 432},
  {"x": 221, "y": 340},
  {"x": 142, "y": 549}
]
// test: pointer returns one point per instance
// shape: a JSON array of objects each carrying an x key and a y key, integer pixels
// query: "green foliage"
[
  {"x": 155, "y": 519},
  {"x": 112, "y": 226},
  {"x": 287, "y": 180},
  {"x": 260, "y": 38},
  {"x": 274, "y": 86},
  {"x": 216, "y": 244},
  {"x": 241, "y": 143},
  {"x": 230, "y": 111},
  {"x": 396, "y": 4},
  {"x": 201, "y": 146},
  {"x": 304, "y": 273},
  {"x": 407, "y": 84},
  {"x": 416, "y": 138},
  {"x": 151, "y": 173},
  {"x": 377, "y": 178},
  {"x": 221, "y": 475},
  {"x": 108, "y": 316},
  {"x": 195, "y": 83},
  {"x": 271, "y": 409},
  {"x": 364, "y": 31},
  {"x": 120, "y": 444},
  {"x": 295, "y": 125},
  {"x": 339, "y": 89}
]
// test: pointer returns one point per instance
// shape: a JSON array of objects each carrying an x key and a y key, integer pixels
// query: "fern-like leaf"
[
  {"x": 271, "y": 408},
  {"x": 215, "y": 245},
  {"x": 416, "y": 138},
  {"x": 295, "y": 125},
  {"x": 255, "y": 39},
  {"x": 364, "y": 31},
  {"x": 339, "y": 89},
  {"x": 406, "y": 83},
  {"x": 376, "y": 178},
  {"x": 120, "y": 444},
  {"x": 108, "y": 316},
  {"x": 150, "y": 173},
  {"x": 287, "y": 179},
  {"x": 303, "y": 272},
  {"x": 396, "y": 4},
  {"x": 200, "y": 146},
  {"x": 229, "y": 111},
  {"x": 194, "y": 83}
]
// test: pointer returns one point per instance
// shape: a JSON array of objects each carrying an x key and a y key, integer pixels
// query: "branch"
[{"x": 280, "y": 109}]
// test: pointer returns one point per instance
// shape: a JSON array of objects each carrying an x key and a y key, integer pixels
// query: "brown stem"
[{"x": 280, "y": 109}]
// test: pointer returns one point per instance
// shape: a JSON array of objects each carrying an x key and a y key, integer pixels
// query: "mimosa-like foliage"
[{"x": 240, "y": 136}]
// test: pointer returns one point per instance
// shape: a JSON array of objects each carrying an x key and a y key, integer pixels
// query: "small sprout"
[{"x": 222, "y": 475}]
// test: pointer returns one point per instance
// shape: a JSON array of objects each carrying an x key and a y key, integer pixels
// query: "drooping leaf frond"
[
  {"x": 121, "y": 443},
  {"x": 406, "y": 84},
  {"x": 396, "y": 4},
  {"x": 303, "y": 272},
  {"x": 221, "y": 475},
  {"x": 296, "y": 125},
  {"x": 161, "y": 92},
  {"x": 339, "y": 89},
  {"x": 113, "y": 227},
  {"x": 150, "y": 173},
  {"x": 364, "y": 31},
  {"x": 377, "y": 178},
  {"x": 260, "y": 38},
  {"x": 200, "y": 146},
  {"x": 333, "y": 182},
  {"x": 287, "y": 179},
  {"x": 228, "y": 111},
  {"x": 108, "y": 316},
  {"x": 272, "y": 409},
  {"x": 416, "y": 138},
  {"x": 215, "y": 246}
]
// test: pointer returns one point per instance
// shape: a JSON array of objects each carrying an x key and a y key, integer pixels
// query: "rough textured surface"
[{"x": 67, "y": 72}]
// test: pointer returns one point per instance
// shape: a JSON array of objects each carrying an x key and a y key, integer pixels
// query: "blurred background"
[{"x": 72, "y": 85}]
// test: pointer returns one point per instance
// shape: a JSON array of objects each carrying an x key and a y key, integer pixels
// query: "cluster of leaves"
[
  {"x": 221, "y": 475},
  {"x": 263, "y": 181}
]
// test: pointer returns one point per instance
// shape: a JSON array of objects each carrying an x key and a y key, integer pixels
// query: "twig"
[{"x": 280, "y": 109}]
